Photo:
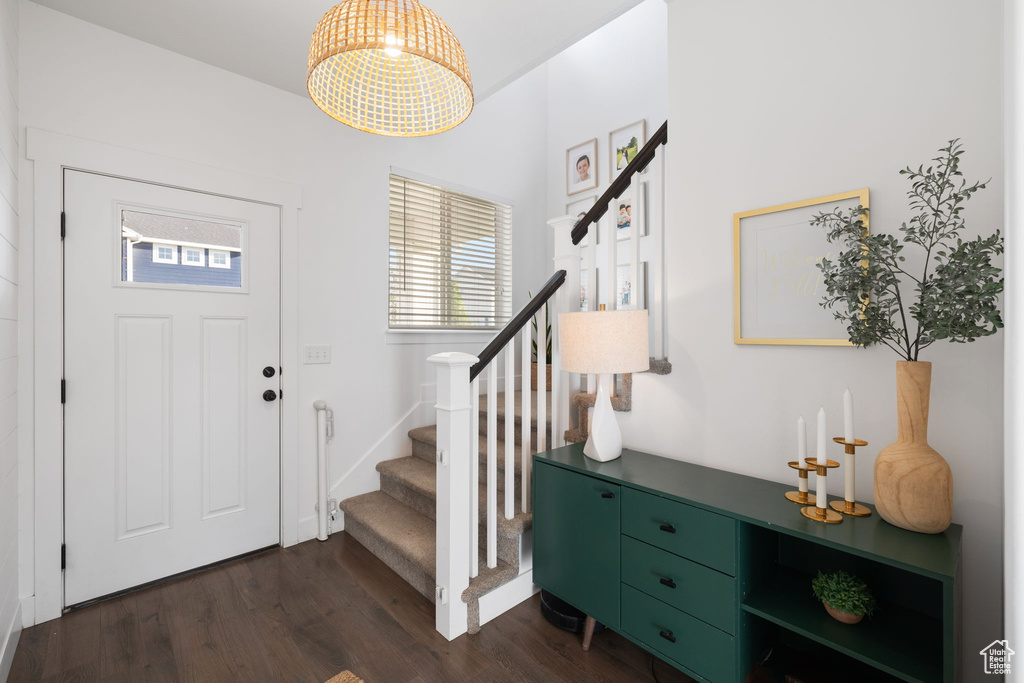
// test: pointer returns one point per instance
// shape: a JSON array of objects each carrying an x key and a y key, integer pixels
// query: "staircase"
[{"x": 397, "y": 523}]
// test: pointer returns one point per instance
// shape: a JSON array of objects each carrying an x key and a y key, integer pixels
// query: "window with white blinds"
[{"x": 450, "y": 259}]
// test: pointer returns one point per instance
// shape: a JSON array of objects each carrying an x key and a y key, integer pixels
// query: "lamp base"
[{"x": 605, "y": 440}]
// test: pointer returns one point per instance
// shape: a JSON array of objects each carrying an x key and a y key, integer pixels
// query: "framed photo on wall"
[
  {"x": 581, "y": 167},
  {"x": 578, "y": 209},
  {"x": 777, "y": 286},
  {"x": 624, "y": 144}
]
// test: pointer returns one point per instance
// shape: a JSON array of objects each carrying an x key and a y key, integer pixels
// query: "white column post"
[
  {"x": 453, "y": 491},
  {"x": 563, "y": 386}
]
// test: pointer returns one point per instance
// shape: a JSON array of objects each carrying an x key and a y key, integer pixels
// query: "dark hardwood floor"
[{"x": 306, "y": 614}]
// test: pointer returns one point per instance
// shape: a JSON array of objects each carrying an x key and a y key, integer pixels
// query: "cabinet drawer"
[
  {"x": 700, "y": 591},
  {"x": 695, "y": 534},
  {"x": 696, "y": 645}
]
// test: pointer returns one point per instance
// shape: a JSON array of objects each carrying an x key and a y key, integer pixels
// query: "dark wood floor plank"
[
  {"x": 160, "y": 664},
  {"x": 74, "y": 645},
  {"x": 121, "y": 652},
  {"x": 305, "y": 614},
  {"x": 349, "y": 614},
  {"x": 197, "y": 639},
  {"x": 426, "y": 650},
  {"x": 241, "y": 640}
]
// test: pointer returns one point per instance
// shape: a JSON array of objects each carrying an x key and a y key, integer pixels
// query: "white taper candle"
[
  {"x": 801, "y": 451},
  {"x": 848, "y": 416},
  {"x": 821, "y": 483},
  {"x": 849, "y": 474}
]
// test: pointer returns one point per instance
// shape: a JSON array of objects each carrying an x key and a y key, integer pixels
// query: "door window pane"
[{"x": 210, "y": 252}]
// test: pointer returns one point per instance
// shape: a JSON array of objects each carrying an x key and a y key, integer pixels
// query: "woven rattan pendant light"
[{"x": 390, "y": 67}]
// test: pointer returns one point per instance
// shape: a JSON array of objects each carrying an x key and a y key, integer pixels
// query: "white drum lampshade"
[{"x": 604, "y": 342}]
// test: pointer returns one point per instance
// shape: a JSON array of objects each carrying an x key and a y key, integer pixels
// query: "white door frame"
[{"x": 40, "y": 338}]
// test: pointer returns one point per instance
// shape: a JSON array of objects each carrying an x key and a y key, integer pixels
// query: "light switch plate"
[{"x": 317, "y": 355}]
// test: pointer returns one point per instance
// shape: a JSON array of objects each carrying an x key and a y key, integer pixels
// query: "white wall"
[
  {"x": 776, "y": 102},
  {"x": 10, "y": 621},
  {"x": 610, "y": 79},
  {"x": 84, "y": 81},
  {"x": 1013, "y": 581}
]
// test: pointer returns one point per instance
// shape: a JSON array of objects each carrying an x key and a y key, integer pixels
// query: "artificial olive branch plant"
[{"x": 955, "y": 294}]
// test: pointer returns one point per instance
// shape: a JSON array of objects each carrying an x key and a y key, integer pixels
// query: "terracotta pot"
[
  {"x": 533, "y": 376},
  {"x": 844, "y": 617},
  {"x": 913, "y": 484}
]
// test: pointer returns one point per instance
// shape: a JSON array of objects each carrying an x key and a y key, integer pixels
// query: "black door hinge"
[
  {"x": 63, "y": 556},
  {"x": 63, "y": 225},
  {"x": 280, "y": 394},
  {"x": 63, "y": 391}
]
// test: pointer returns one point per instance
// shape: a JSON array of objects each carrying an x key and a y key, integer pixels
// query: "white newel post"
[
  {"x": 566, "y": 300},
  {"x": 454, "y": 485}
]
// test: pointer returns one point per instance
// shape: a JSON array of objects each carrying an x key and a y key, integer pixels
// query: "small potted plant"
[{"x": 846, "y": 597}]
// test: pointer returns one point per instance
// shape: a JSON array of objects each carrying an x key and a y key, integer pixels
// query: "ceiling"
[{"x": 268, "y": 40}]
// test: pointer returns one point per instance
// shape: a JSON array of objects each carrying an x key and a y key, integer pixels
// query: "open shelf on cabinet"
[{"x": 896, "y": 640}]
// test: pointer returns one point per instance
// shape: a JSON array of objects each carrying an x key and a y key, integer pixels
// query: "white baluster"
[
  {"x": 492, "y": 465},
  {"x": 593, "y": 296},
  {"x": 452, "y": 528},
  {"x": 526, "y": 425},
  {"x": 637, "y": 188},
  {"x": 510, "y": 429},
  {"x": 474, "y": 477},
  {"x": 542, "y": 382},
  {"x": 657, "y": 302},
  {"x": 610, "y": 238}
]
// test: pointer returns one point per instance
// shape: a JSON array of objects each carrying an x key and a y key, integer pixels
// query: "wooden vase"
[{"x": 913, "y": 483}]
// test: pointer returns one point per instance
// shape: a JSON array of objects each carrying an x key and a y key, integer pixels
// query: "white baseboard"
[
  {"x": 502, "y": 599},
  {"x": 9, "y": 643},
  {"x": 28, "y": 611}
]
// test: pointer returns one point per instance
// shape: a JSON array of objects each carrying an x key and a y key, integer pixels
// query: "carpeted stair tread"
[
  {"x": 415, "y": 474},
  {"x": 407, "y": 532},
  {"x": 412, "y": 536},
  {"x": 420, "y": 477}
]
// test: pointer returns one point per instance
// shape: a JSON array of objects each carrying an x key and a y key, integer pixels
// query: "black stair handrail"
[
  {"x": 620, "y": 184},
  {"x": 517, "y": 323}
]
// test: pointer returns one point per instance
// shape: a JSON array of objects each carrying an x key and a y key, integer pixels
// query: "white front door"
[{"x": 171, "y": 362}]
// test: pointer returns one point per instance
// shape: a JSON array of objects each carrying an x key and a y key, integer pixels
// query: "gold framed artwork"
[
  {"x": 777, "y": 286},
  {"x": 581, "y": 167}
]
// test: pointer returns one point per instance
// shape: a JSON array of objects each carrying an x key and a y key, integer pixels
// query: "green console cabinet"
[
  {"x": 577, "y": 554},
  {"x": 711, "y": 570}
]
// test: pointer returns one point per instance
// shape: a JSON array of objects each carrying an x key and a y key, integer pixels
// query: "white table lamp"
[{"x": 601, "y": 343}]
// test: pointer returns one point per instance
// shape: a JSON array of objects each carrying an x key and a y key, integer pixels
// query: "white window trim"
[
  {"x": 202, "y": 257},
  {"x": 156, "y": 253},
  {"x": 227, "y": 259}
]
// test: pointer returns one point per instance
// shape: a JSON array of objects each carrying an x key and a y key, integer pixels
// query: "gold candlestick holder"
[
  {"x": 847, "y": 507},
  {"x": 801, "y": 497},
  {"x": 819, "y": 514}
]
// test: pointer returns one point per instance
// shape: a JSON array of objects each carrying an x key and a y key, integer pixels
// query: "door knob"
[
  {"x": 268, "y": 371},
  {"x": 269, "y": 395}
]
